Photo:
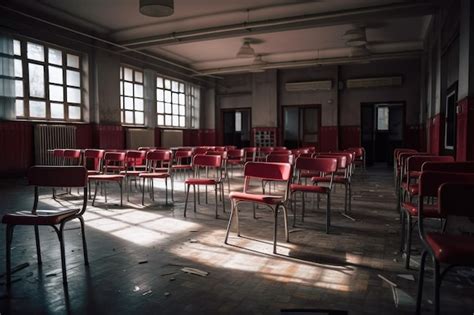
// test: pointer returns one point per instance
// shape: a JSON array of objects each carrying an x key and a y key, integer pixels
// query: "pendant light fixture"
[
  {"x": 246, "y": 51},
  {"x": 157, "y": 8}
]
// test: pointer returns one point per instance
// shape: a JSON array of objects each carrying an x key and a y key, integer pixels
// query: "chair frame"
[
  {"x": 154, "y": 164},
  {"x": 105, "y": 167}
]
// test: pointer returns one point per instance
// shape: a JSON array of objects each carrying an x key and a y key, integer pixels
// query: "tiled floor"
[{"x": 136, "y": 254}]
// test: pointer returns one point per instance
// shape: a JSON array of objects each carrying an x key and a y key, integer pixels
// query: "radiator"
[
  {"x": 49, "y": 137},
  {"x": 171, "y": 138},
  {"x": 137, "y": 137}
]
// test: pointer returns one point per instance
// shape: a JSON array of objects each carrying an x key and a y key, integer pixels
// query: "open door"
[{"x": 236, "y": 127}]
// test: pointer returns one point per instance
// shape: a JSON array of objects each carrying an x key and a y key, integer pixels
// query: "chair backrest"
[
  {"x": 159, "y": 155},
  {"x": 456, "y": 199},
  {"x": 268, "y": 171},
  {"x": 235, "y": 154},
  {"x": 72, "y": 154},
  {"x": 200, "y": 150},
  {"x": 230, "y": 147},
  {"x": 95, "y": 157},
  {"x": 415, "y": 163},
  {"x": 455, "y": 167},
  {"x": 265, "y": 150},
  {"x": 430, "y": 181},
  {"x": 180, "y": 154},
  {"x": 281, "y": 158},
  {"x": 58, "y": 152},
  {"x": 359, "y": 151},
  {"x": 114, "y": 161},
  {"x": 135, "y": 157},
  {"x": 213, "y": 152},
  {"x": 323, "y": 165},
  {"x": 398, "y": 151},
  {"x": 281, "y": 151},
  {"x": 250, "y": 153},
  {"x": 201, "y": 160},
  {"x": 219, "y": 149},
  {"x": 58, "y": 176},
  {"x": 159, "y": 160},
  {"x": 341, "y": 159},
  {"x": 279, "y": 148}
]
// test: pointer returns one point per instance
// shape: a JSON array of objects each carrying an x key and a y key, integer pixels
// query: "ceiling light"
[
  {"x": 157, "y": 8},
  {"x": 354, "y": 33},
  {"x": 246, "y": 51},
  {"x": 356, "y": 42},
  {"x": 257, "y": 65}
]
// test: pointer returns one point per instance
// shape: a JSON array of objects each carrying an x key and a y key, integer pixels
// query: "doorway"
[
  {"x": 382, "y": 126},
  {"x": 449, "y": 147},
  {"x": 236, "y": 127},
  {"x": 301, "y": 125}
]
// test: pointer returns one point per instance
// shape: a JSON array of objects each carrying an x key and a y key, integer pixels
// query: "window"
[
  {"x": 450, "y": 121},
  {"x": 170, "y": 103},
  {"x": 131, "y": 96},
  {"x": 47, "y": 82},
  {"x": 194, "y": 102},
  {"x": 382, "y": 118}
]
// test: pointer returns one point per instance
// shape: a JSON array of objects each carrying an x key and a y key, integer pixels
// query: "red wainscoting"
[
  {"x": 434, "y": 130},
  {"x": 349, "y": 137},
  {"x": 16, "y": 147},
  {"x": 157, "y": 137},
  {"x": 328, "y": 138},
  {"x": 109, "y": 137},
  {"x": 190, "y": 137},
  {"x": 84, "y": 136},
  {"x": 207, "y": 137},
  {"x": 465, "y": 130},
  {"x": 413, "y": 137}
]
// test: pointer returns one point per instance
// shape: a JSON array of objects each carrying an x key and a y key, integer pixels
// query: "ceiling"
[{"x": 205, "y": 35}]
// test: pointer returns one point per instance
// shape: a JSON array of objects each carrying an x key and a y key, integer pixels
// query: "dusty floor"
[{"x": 136, "y": 254}]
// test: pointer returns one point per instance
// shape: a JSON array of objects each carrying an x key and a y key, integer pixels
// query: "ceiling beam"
[{"x": 360, "y": 15}]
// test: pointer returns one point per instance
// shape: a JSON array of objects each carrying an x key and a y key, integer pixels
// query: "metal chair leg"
[
  {"x": 95, "y": 192},
  {"x": 186, "y": 201},
  {"x": 84, "y": 243},
  {"x": 421, "y": 276},
  {"x": 9, "y": 239},
  {"x": 275, "y": 225},
  {"x": 237, "y": 219},
  {"x": 436, "y": 285},
  {"x": 59, "y": 232},
  {"x": 328, "y": 213},
  {"x": 166, "y": 190},
  {"x": 223, "y": 199},
  {"x": 215, "y": 190},
  {"x": 345, "y": 198},
  {"x": 194, "y": 193},
  {"x": 121, "y": 194},
  {"x": 285, "y": 220},
  {"x": 232, "y": 213},
  {"x": 38, "y": 245},
  {"x": 408, "y": 242},
  {"x": 143, "y": 192},
  {"x": 302, "y": 207}
]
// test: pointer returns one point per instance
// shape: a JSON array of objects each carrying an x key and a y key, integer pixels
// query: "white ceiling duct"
[
  {"x": 246, "y": 51},
  {"x": 157, "y": 8},
  {"x": 354, "y": 34}
]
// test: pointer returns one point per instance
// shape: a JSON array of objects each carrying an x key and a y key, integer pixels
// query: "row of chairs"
[{"x": 442, "y": 188}]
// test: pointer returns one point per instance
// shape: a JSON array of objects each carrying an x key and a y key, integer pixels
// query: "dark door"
[
  {"x": 367, "y": 132},
  {"x": 301, "y": 126},
  {"x": 449, "y": 147},
  {"x": 236, "y": 127}
]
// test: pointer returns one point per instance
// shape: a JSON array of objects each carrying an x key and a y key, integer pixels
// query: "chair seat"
[
  {"x": 200, "y": 181},
  {"x": 336, "y": 180},
  {"x": 91, "y": 172},
  {"x": 42, "y": 217},
  {"x": 309, "y": 188},
  {"x": 131, "y": 173},
  {"x": 452, "y": 249},
  {"x": 309, "y": 174},
  {"x": 154, "y": 175},
  {"x": 234, "y": 162},
  {"x": 266, "y": 199},
  {"x": 415, "y": 174},
  {"x": 429, "y": 211},
  {"x": 412, "y": 188},
  {"x": 107, "y": 177},
  {"x": 182, "y": 167}
]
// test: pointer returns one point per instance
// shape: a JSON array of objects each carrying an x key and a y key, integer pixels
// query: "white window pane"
[
  {"x": 128, "y": 89},
  {"x": 174, "y": 86},
  {"x": 37, "y": 109},
  {"x": 19, "y": 88},
  {"x": 73, "y": 95},
  {"x": 160, "y": 107},
  {"x": 167, "y": 84},
  {"x": 128, "y": 74},
  {"x": 182, "y": 110},
  {"x": 175, "y": 98},
  {"x": 238, "y": 121},
  {"x": 129, "y": 103},
  {"x": 181, "y": 121},
  {"x": 168, "y": 108},
  {"x": 138, "y": 90},
  {"x": 175, "y": 109},
  {"x": 55, "y": 75},
  {"x": 129, "y": 117},
  {"x": 168, "y": 96},
  {"x": 16, "y": 47},
  {"x": 56, "y": 93},
  {"x": 20, "y": 109},
  {"x": 168, "y": 120},
  {"x": 36, "y": 80},
  {"x": 72, "y": 61},
  {"x": 138, "y": 76},
  {"x": 160, "y": 95},
  {"x": 55, "y": 56},
  {"x": 57, "y": 111},
  {"x": 121, "y": 102},
  {"x": 159, "y": 82},
  {"x": 181, "y": 99},
  {"x": 35, "y": 51},
  {"x": 73, "y": 78},
  {"x": 139, "y": 118},
  {"x": 18, "y": 68},
  {"x": 121, "y": 88},
  {"x": 181, "y": 87},
  {"x": 139, "y": 104},
  {"x": 161, "y": 120},
  {"x": 74, "y": 112},
  {"x": 175, "y": 121}
]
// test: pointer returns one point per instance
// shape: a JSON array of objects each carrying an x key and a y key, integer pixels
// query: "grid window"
[
  {"x": 46, "y": 87},
  {"x": 194, "y": 102},
  {"x": 131, "y": 96},
  {"x": 382, "y": 118},
  {"x": 170, "y": 103}
]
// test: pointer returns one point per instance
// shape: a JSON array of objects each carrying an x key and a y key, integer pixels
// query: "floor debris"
[
  {"x": 348, "y": 216},
  {"x": 136, "y": 288},
  {"x": 147, "y": 292},
  {"x": 51, "y": 275},
  {"x": 191, "y": 240},
  {"x": 393, "y": 284},
  {"x": 143, "y": 262},
  {"x": 16, "y": 269},
  {"x": 406, "y": 277},
  {"x": 295, "y": 230},
  {"x": 167, "y": 274},
  {"x": 167, "y": 294},
  {"x": 195, "y": 271}
]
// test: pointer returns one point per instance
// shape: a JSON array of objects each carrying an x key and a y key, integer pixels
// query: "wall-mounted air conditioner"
[
  {"x": 323, "y": 85},
  {"x": 374, "y": 82}
]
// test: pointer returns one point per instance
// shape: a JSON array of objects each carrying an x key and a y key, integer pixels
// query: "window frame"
[
  {"x": 122, "y": 81},
  {"x": 172, "y": 104}
]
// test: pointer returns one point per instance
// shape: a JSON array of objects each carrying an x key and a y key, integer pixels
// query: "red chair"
[
  {"x": 250, "y": 154},
  {"x": 114, "y": 163},
  {"x": 213, "y": 162},
  {"x": 182, "y": 161},
  {"x": 281, "y": 158},
  {"x": 409, "y": 190},
  {"x": 322, "y": 166},
  {"x": 342, "y": 177},
  {"x": 72, "y": 157},
  {"x": 58, "y": 155},
  {"x": 49, "y": 176},
  {"x": 452, "y": 167},
  {"x": 360, "y": 154},
  {"x": 263, "y": 152},
  {"x": 397, "y": 163},
  {"x": 455, "y": 193},
  {"x": 235, "y": 157},
  {"x": 279, "y": 148},
  {"x": 281, "y": 151},
  {"x": 264, "y": 172},
  {"x": 219, "y": 149},
  {"x": 134, "y": 166},
  {"x": 200, "y": 150},
  {"x": 158, "y": 165},
  {"x": 93, "y": 162},
  {"x": 230, "y": 147}
]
